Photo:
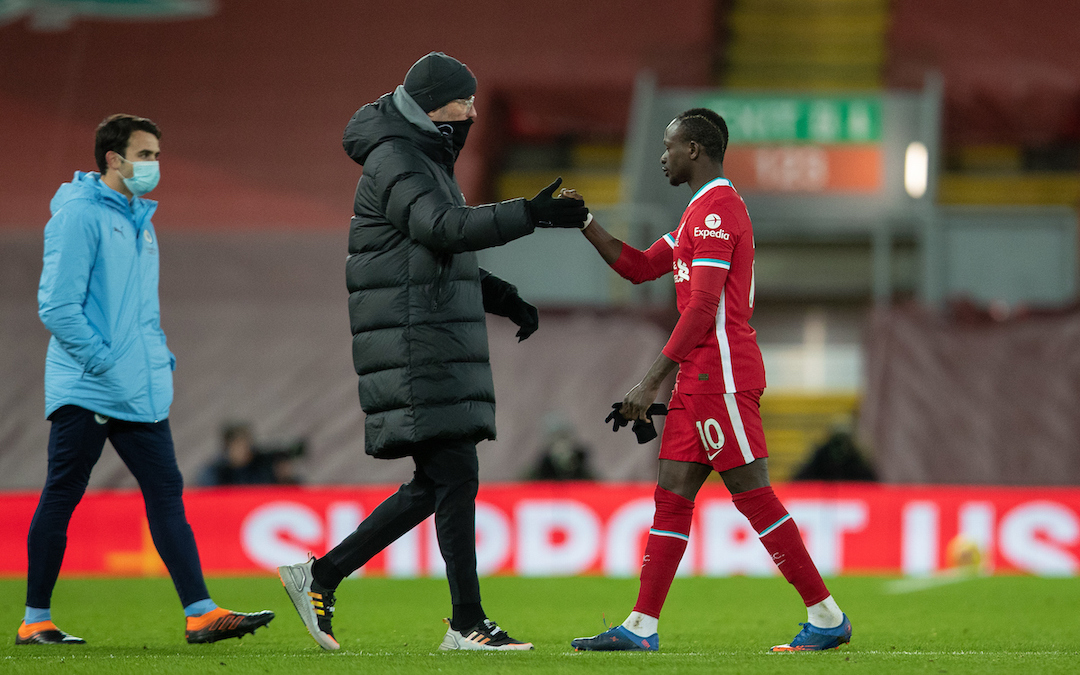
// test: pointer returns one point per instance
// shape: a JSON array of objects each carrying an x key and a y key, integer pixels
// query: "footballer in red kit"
[
  {"x": 714, "y": 422},
  {"x": 713, "y": 251}
]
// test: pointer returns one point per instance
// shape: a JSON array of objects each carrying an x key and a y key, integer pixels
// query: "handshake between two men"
[{"x": 566, "y": 210}]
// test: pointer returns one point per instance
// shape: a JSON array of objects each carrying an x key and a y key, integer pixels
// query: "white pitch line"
[
  {"x": 915, "y": 584},
  {"x": 851, "y": 652},
  {"x": 577, "y": 655},
  {"x": 964, "y": 653}
]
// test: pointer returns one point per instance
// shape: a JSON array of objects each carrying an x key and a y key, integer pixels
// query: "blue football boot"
[
  {"x": 617, "y": 639},
  {"x": 814, "y": 639}
]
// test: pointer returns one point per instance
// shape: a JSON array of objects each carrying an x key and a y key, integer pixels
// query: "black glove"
[
  {"x": 644, "y": 430},
  {"x": 501, "y": 298},
  {"x": 547, "y": 210},
  {"x": 525, "y": 316}
]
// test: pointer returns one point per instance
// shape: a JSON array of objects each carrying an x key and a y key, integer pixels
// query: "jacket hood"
[
  {"x": 394, "y": 115},
  {"x": 88, "y": 185}
]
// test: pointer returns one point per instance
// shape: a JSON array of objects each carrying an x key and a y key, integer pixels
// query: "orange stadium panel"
[{"x": 805, "y": 168}]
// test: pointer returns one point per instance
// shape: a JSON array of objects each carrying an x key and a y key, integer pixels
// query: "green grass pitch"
[{"x": 977, "y": 625}]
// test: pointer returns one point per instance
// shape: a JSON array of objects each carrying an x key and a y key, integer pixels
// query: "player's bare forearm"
[
  {"x": 643, "y": 394},
  {"x": 606, "y": 245},
  {"x": 609, "y": 247}
]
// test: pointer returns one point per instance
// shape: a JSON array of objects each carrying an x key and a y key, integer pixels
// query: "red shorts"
[{"x": 720, "y": 430}]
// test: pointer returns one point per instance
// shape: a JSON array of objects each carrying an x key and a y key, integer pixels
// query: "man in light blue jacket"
[{"x": 108, "y": 375}]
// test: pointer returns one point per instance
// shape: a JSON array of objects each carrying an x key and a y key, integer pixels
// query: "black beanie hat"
[{"x": 437, "y": 79}]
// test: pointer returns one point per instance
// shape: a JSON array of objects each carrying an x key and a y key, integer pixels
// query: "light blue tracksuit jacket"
[{"x": 98, "y": 297}]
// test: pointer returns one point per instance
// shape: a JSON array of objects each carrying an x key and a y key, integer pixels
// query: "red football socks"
[
  {"x": 782, "y": 540},
  {"x": 663, "y": 551}
]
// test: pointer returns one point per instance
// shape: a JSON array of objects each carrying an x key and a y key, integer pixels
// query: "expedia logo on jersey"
[
  {"x": 719, "y": 234},
  {"x": 681, "y": 271},
  {"x": 712, "y": 228}
]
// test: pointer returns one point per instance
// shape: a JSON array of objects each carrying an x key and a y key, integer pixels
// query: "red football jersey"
[{"x": 715, "y": 232}]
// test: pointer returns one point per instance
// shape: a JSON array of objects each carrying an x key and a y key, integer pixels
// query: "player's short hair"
[
  {"x": 114, "y": 133},
  {"x": 706, "y": 128}
]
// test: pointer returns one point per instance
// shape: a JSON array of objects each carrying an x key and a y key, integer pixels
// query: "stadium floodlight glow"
[{"x": 916, "y": 169}]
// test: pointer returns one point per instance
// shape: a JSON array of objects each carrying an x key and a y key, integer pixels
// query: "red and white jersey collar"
[{"x": 715, "y": 182}]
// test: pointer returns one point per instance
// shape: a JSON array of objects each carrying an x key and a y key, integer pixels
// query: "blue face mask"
[{"x": 145, "y": 177}]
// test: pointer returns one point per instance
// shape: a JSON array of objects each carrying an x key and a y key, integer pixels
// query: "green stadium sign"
[
  {"x": 60, "y": 14},
  {"x": 798, "y": 119}
]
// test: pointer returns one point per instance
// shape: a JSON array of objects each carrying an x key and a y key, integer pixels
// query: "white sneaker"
[
  {"x": 313, "y": 603},
  {"x": 485, "y": 636}
]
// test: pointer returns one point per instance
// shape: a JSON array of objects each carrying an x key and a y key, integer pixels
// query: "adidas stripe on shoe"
[
  {"x": 484, "y": 636},
  {"x": 313, "y": 603}
]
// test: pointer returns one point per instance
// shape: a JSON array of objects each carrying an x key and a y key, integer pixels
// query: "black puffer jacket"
[{"x": 415, "y": 299}]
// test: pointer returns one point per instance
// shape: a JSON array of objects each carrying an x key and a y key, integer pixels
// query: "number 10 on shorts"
[{"x": 712, "y": 436}]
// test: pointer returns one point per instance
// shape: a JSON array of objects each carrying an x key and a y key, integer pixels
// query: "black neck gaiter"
[{"x": 457, "y": 132}]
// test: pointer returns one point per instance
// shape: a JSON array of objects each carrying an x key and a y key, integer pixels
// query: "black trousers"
[
  {"x": 444, "y": 483},
  {"x": 76, "y": 440}
]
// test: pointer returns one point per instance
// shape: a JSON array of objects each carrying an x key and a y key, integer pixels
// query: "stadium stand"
[{"x": 254, "y": 175}]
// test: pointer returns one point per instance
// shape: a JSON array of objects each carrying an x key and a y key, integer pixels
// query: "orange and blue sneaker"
[
  {"x": 222, "y": 624},
  {"x": 814, "y": 639},
  {"x": 44, "y": 633},
  {"x": 617, "y": 639}
]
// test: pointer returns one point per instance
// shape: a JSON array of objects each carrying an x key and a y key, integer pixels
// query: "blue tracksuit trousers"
[{"x": 76, "y": 440}]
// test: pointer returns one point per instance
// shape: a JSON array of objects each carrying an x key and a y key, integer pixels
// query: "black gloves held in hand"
[
  {"x": 501, "y": 298},
  {"x": 645, "y": 431},
  {"x": 525, "y": 316},
  {"x": 546, "y": 210}
]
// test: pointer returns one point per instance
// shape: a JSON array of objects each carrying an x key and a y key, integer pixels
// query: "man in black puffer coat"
[{"x": 416, "y": 305}]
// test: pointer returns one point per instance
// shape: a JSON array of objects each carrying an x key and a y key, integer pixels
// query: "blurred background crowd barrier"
[{"x": 912, "y": 169}]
